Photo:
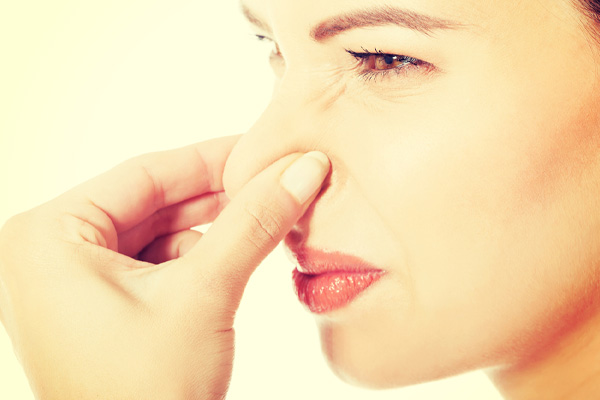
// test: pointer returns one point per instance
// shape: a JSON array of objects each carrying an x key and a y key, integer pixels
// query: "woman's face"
[{"x": 469, "y": 172}]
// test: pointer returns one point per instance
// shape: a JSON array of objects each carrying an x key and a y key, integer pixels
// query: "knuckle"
[
  {"x": 162, "y": 222},
  {"x": 142, "y": 168},
  {"x": 82, "y": 223},
  {"x": 265, "y": 223}
]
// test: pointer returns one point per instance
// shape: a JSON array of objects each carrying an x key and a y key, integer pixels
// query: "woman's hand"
[{"x": 106, "y": 293}]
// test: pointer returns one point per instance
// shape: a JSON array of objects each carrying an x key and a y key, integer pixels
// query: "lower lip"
[{"x": 326, "y": 292}]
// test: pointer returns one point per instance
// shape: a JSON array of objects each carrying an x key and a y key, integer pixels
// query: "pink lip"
[{"x": 326, "y": 281}]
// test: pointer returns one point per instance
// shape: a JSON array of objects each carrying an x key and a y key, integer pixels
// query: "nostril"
[{"x": 326, "y": 184}]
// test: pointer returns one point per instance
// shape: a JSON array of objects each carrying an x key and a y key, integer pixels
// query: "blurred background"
[{"x": 86, "y": 85}]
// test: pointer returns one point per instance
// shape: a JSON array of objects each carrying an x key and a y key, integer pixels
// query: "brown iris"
[{"x": 383, "y": 62}]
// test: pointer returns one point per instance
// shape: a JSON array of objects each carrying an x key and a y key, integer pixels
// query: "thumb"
[{"x": 255, "y": 221}]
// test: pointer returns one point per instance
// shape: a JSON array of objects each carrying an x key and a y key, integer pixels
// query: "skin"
[
  {"x": 476, "y": 186},
  {"x": 107, "y": 293}
]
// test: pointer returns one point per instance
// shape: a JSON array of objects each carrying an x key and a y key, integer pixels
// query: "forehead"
[
  {"x": 500, "y": 21},
  {"x": 301, "y": 13}
]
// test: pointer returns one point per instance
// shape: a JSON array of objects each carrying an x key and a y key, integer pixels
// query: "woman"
[{"x": 456, "y": 229}]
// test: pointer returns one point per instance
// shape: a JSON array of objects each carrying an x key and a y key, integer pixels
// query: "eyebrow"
[
  {"x": 254, "y": 20},
  {"x": 372, "y": 17}
]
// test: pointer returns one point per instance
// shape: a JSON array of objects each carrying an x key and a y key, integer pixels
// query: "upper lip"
[{"x": 315, "y": 262}]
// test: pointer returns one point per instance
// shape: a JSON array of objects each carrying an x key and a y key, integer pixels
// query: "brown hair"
[{"x": 591, "y": 8}]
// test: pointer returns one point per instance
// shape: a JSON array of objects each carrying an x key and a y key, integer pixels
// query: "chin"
[
  {"x": 378, "y": 374},
  {"x": 371, "y": 364},
  {"x": 364, "y": 354},
  {"x": 365, "y": 376}
]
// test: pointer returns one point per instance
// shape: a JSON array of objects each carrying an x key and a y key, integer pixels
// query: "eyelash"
[
  {"x": 365, "y": 56},
  {"x": 263, "y": 38},
  {"x": 405, "y": 62}
]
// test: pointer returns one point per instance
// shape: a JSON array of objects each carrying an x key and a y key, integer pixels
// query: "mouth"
[{"x": 327, "y": 281}]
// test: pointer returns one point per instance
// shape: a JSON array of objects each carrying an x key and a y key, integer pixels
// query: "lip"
[{"x": 326, "y": 281}]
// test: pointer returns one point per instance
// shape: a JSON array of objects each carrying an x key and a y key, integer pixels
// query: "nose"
[{"x": 290, "y": 124}]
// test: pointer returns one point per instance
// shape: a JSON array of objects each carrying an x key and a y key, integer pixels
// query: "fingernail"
[{"x": 305, "y": 176}]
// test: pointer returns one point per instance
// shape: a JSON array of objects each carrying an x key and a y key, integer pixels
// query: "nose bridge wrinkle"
[
  {"x": 329, "y": 86},
  {"x": 317, "y": 89},
  {"x": 298, "y": 119},
  {"x": 325, "y": 101},
  {"x": 303, "y": 109}
]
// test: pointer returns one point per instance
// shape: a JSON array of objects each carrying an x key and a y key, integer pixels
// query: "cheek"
[
  {"x": 468, "y": 174},
  {"x": 493, "y": 208},
  {"x": 493, "y": 221}
]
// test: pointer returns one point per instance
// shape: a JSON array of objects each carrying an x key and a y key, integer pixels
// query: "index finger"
[{"x": 137, "y": 188}]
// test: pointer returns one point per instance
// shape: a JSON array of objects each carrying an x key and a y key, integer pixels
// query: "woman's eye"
[
  {"x": 387, "y": 61},
  {"x": 373, "y": 64},
  {"x": 275, "y": 58},
  {"x": 275, "y": 52}
]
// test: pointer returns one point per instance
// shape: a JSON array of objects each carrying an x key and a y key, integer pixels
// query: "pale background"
[{"x": 85, "y": 85}]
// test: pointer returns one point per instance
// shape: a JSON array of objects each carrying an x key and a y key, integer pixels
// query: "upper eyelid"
[
  {"x": 366, "y": 53},
  {"x": 264, "y": 37},
  {"x": 359, "y": 56},
  {"x": 372, "y": 75},
  {"x": 261, "y": 37}
]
